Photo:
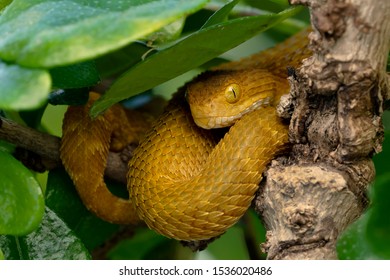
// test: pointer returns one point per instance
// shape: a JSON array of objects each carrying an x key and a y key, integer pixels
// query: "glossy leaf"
[
  {"x": 65, "y": 32},
  {"x": 62, "y": 198},
  {"x": 79, "y": 75},
  {"x": 175, "y": 60},
  {"x": 21, "y": 198},
  {"x": 23, "y": 88},
  {"x": 53, "y": 240},
  {"x": 353, "y": 245}
]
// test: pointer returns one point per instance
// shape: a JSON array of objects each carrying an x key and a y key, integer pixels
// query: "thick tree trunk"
[{"x": 337, "y": 96}]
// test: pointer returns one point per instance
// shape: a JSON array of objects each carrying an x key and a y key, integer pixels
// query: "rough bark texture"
[{"x": 337, "y": 96}]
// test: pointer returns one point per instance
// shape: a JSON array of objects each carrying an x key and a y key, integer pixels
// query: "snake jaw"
[
  {"x": 210, "y": 122},
  {"x": 216, "y": 122}
]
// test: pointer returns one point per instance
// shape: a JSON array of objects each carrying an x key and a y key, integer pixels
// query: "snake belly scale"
[{"x": 185, "y": 182}]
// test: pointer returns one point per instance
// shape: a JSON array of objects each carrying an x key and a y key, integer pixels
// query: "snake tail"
[{"x": 84, "y": 150}]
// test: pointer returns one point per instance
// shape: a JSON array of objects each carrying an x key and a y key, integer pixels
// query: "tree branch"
[
  {"x": 337, "y": 96},
  {"x": 44, "y": 150}
]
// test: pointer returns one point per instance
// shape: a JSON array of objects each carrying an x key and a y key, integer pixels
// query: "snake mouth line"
[{"x": 211, "y": 122}]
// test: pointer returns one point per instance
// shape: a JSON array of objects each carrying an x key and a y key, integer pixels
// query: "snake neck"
[{"x": 187, "y": 187}]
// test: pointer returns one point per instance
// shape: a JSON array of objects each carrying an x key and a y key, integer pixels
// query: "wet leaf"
[
  {"x": 62, "y": 198},
  {"x": 353, "y": 245},
  {"x": 23, "y": 88},
  {"x": 69, "y": 31},
  {"x": 21, "y": 198},
  {"x": 53, "y": 240}
]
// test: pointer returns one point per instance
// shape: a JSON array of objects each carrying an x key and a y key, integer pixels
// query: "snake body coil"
[
  {"x": 186, "y": 183},
  {"x": 193, "y": 189}
]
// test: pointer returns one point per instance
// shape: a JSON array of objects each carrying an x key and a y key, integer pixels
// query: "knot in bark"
[{"x": 301, "y": 219}]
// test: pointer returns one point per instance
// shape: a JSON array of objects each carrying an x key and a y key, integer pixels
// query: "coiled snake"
[{"x": 184, "y": 181}]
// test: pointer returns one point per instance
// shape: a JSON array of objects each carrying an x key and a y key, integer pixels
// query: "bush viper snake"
[{"x": 184, "y": 182}]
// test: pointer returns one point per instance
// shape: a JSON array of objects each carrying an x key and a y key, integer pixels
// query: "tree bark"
[{"x": 337, "y": 97}]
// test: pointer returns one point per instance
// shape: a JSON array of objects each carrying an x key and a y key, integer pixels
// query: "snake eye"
[{"x": 233, "y": 93}]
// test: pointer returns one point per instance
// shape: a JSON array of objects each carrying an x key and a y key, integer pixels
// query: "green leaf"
[
  {"x": 145, "y": 244},
  {"x": 267, "y": 5},
  {"x": 369, "y": 236},
  {"x": 282, "y": 3},
  {"x": 62, "y": 198},
  {"x": 166, "y": 34},
  {"x": 221, "y": 15},
  {"x": 48, "y": 33},
  {"x": 23, "y": 88},
  {"x": 6, "y": 146},
  {"x": 79, "y": 75},
  {"x": 53, "y": 240},
  {"x": 378, "y": 225},
  {"x": 4, "y": 3},
  {"x": 122, "y": 59},
  {"x": 235, "y": 251},
  {"x": 352, "y": 245},
  {"x": 185, "y": 55},
  {"x": 382, "y": 160},
  {"x": 2, "y": 255},
  {"x": 21, "y": 198}
]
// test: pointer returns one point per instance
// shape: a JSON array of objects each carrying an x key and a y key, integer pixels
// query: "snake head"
[{"x": 219, "y": 98}]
